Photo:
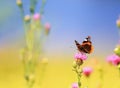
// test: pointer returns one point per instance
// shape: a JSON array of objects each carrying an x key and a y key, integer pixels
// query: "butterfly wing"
[
  {"x": 79, "y": 46},
  {"x": 88, "y": 48}
]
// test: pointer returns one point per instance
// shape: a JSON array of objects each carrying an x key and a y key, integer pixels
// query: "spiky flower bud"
[{"x": 27, "y": 18}]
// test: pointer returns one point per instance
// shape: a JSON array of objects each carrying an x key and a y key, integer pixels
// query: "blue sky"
[{"x": 70, "y": 20}]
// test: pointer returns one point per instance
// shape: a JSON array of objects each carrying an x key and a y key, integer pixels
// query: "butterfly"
[{"x": 86, "y": 46}]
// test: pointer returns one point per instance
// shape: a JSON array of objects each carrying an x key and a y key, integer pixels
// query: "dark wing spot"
[{"x": 87, "y": 48}]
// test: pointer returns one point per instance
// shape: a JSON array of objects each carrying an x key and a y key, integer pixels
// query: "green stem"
[
  {"x": 30, "y": 64},
  {"x": 87, "y": 82},
  {"x": 22, "y": 12},
  {"x": 101, "y": 77},
  {"x": 42, "y": 7},
  {"x": 79, "y": 76},
  {"x": 32, "y": 6},
  {"x": 79, "y": 83}
]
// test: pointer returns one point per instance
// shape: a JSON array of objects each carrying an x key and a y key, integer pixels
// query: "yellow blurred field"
[{"x": 58, "y": 73}]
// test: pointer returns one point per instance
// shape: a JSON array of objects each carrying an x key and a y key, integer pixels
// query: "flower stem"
[
  {"x": 79, "y": 83},
  {"x": 42, "y": 6},
  {"x": 79, "y": 76}
]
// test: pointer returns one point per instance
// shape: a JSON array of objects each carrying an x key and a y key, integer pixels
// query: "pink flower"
[
  {"x": 47, "y": 28},
  {"x": 36, "y": 16},
  {"x": 80, "y": 56},
  {"x": 75, "y": 85},
  {"x": 87, "y": 71},
  {"x": 116, "y": 60},
  {"x": 113, "y": 59},
  {"x": 109, "y": 59}
]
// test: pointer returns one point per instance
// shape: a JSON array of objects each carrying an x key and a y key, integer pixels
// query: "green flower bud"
[
  {"x": 27, "y": 18},
  {"x": 80, "y": 71},
  {"x": 118, "y": 66},
  {"x": 117, "y": 50},
  {"x": 27, "y": 77},
  {"x": 32, "y": 9},
  {"x": 19, "y": 3},
  {"x": 74, "y": 65}
]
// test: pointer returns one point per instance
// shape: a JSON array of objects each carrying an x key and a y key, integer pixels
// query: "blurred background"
[{"x": 70, "y": 20}]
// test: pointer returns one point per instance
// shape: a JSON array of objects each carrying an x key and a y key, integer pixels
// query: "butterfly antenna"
[{"x": 76, "y": 42}]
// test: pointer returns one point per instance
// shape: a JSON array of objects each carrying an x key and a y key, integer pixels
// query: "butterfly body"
[{"x": 86, "y": 46}]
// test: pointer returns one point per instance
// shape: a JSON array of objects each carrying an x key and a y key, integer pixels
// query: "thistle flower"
[
  {"x": 87, "y": 71},
  {"x": 37, "y": 16},
  {"x": 74, "y": 85},
  {"x": 110, "y": 59},
  {"x": 114, "y": 59},
  {"x": 47, "y": 28},
  {"x": 80, "y": 56}
]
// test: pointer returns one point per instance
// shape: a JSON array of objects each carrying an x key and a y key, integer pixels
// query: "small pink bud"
[
  {"x": 87, "y": 71},
  {"x": 74, "y": 85},
  {"x": 37, "y": 16},
  {"x": 47, "y": 28}
]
